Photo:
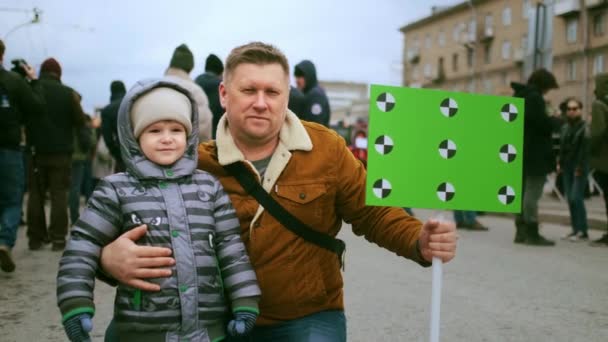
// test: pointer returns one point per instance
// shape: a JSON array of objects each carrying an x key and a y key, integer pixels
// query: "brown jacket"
[{"x": 314, "y": 176}]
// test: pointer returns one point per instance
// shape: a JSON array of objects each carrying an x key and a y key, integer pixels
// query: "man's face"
[
  {"x": 573, "y": 110},
  {"x": 255, "y": 98},
  {"x": 300, "y": 82}
]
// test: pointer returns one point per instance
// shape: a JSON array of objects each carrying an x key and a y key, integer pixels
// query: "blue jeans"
[
  {"x": 325, "y": 326},
  {"x": 465, "y": 217},
  {"x": 574, "y": 189},
  {"x": 12, "y": 185},
  {"x": 78, "y": 169}
]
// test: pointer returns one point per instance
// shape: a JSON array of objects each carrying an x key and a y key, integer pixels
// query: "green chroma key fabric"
[{"x": 444, "y": 150}]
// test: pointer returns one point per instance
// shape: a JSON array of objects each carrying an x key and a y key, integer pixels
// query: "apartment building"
[{"x": 482, "y": 46}]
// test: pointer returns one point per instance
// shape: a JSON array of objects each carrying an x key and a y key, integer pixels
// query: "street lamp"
[{"x": 34, "y": 20}]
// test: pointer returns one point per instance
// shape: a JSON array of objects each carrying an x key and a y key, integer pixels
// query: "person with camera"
[{"x": 21, "y": 101}]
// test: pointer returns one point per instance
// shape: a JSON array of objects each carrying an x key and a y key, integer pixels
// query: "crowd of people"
[{"x": 213, "y": 203}]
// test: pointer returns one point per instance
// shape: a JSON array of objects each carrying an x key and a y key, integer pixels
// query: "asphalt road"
[{"x": 493, "y": 291}]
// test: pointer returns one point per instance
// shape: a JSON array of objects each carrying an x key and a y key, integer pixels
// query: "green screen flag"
[{"x": 444, "y": 150}]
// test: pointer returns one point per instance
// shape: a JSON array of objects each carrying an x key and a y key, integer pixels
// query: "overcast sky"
[{"x": 98, "y": 41}]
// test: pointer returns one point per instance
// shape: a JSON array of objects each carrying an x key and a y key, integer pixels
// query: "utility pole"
[{"x": 585, "y": 25}]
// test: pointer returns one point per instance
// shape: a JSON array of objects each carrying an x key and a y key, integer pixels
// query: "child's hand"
[
  {"x": 242, "y": 324},
  {"x": 78, "y": 327}
]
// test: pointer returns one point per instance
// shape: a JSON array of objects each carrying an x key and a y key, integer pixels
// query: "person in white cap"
[{"x": 185, "y": 209}]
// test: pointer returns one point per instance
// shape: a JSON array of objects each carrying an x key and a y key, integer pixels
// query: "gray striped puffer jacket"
[{"x": 186, "y": 210}]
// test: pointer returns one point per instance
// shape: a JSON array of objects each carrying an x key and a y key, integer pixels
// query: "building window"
[
  {"x": 471, "y": 86},
  {"x": 488, "y": 22},
  {"x": 571, "y": 30},
  {"x": 487, "y": 53},
  {"x": 506, "y": 16},
  {"x": 427, "y": 70},
  {"x": 488, "y": 86},
  {"x": 455, "y": 62},
  {"x": 427, "y": 41},
  {"x": 506, "y": 50},
  {"x": 504, "y": 76},
  {"x": 472, "y": 30},
  {"x": 571, "y": 70},
  {"x": 598, "y": 64},
  {"x": 415, "y": 73},
  {"x": 441, "y": 38},
  {"x": 524, "y": 43},
  {"x": 470, "y": 58},
  {"x": 525, "y": 9},
  {"x": 599, "y": 24},
  {"x": 456, "y": 33}
]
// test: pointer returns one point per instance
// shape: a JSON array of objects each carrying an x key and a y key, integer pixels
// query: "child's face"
[{"x": 163, "y": 142}]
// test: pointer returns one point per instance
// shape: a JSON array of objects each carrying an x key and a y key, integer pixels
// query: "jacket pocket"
[{"x": 308, "y": 201}]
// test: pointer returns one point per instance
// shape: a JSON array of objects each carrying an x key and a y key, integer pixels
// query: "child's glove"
[
  {"x": 242, "y": 324},
  {"x": 78, "y": 327}
]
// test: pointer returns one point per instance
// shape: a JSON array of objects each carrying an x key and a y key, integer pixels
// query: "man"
[
  {"x": 538, "y": 160},
  {"x": 109, "y": 119},
  {"x": 599, "y": 143},
  {"x": 20, "y": 102},
  {"x": 313, "y": 103},
  {"x": 49, "y": 168},
  {"x": 308, "y": 170},
  {"x": 210, "y": 82},
  {"x": 182, "y": 63}
]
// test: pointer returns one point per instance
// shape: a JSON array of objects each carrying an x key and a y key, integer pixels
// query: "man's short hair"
[
  {"x": 255, "y": 53},
  {"x": 2, "y": 48},
  {"x": 543, "y": 80}
]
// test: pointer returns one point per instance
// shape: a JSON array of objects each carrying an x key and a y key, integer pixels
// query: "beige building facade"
[{"x": 481, "y": 46}]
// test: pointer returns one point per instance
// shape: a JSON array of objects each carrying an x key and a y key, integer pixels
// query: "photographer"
[{"x": 21, "y": 101}]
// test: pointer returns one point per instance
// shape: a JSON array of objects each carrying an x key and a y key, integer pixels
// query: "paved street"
[{"x": 493, "y": 291}]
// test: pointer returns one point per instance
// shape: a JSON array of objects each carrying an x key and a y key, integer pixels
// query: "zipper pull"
[{"x": 211, "y": 240}]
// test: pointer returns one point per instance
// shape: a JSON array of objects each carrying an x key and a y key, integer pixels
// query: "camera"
[{"x": 19, "y": 65}]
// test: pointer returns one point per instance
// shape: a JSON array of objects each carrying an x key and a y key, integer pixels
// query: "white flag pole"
[
  {"x": 437, "y": 270},
  {"x": 436, "y": 298}
]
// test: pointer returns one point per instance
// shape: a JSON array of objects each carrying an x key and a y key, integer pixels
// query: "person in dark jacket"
[
  {"x": 538, "y": 158},
  {"x": 51, "y": 144},
  {"x": 109, "y": 119},
  {"x": 574, "y": 167},
  {"x": 314, "y": 105},
  {"x": 599, "y": 142},
  {"x": 210, "y": 82},
  {"x": 20, "y": 102}
]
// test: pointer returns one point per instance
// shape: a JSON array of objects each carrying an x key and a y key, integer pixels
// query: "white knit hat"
[{"x": 159, "y": 104}]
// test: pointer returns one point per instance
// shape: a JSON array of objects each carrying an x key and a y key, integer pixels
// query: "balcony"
[
  {"x": 468, "y": 39},
  {"x": 487, "y": 35},
  {"x": 566, "y": 7},
  {"x": 594, "y": 3},
  {"x": 413, "y": 56},
  {"x": 518, "y": 56}
]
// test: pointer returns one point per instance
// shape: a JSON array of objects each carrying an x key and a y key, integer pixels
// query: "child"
[{"x": 185, "y": 209}]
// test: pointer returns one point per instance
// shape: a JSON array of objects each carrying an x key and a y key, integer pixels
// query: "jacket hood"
[
  {"x": 601, "y": 86},
  {"x": 522, "y": 90},
  {"x": 136, "y": 162},
  {"x": 307, "y": 68},
  {"x": 117, "y": 95}
]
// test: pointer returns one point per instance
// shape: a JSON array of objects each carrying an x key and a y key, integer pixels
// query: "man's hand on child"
[
  {"x": 78, "y": 327},
  {"x": 130, "y": 263},
  {"x": 242, "y": 324}
]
